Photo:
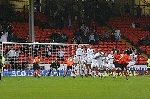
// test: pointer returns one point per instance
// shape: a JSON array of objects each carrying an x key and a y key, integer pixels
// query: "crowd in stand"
[
  {"x": 144, "y": 41},
  {"x": 66, "y": 12},
  {"x": 61, "y": 14}
]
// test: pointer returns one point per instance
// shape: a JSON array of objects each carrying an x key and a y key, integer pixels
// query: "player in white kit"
[
  {"x": 100, "y": 55},
  {"x": 83, "y": 63},
  {"x": 110, "y": 60},
  {"x": 89, "y": 55},
  {"x": 79, "y": 53},
  {"x": 103, "y": 66},
  {"x": 132, "y": 63},
  {"x": 94, "y": 64}
]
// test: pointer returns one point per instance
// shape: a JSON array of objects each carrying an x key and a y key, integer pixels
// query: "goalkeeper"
[{"x": 54, "y": 66}]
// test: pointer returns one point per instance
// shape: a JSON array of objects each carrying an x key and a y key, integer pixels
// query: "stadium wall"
[{"x": 140, "y": 70}]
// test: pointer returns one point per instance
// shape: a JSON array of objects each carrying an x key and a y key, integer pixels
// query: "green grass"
[{"x": 75, "y": 88}]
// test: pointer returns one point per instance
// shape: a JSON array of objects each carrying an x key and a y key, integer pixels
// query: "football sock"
[
  {"x": 34, "y": 74},
  {"x": 134, "y": 72},
  {"x": 38, "y": 73},
  {"x": 89, "y": 71},
  {"x": 94, "y": 73},
  {"x": 127, "y": 72},
  {"x": 114, "y": 73},
  {"x": 104, "y": 73},
  {"x": 86, "y": 72}
]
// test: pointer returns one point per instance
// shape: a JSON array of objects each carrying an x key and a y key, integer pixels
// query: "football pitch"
[{"x": 75, "y": 88}]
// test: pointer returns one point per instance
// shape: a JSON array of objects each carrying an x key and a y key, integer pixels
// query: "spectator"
[
  {"x": 63, "y": 38},
  {"x": 92, "y": 38},
  {"x": 86, "y": 29},
  {"x": 17, "y": 53},
  {"x": 138, "y": 11},
  {"x": 112, "y": 36},
  {"x": 133, "y": 25},
  {"x": 147, "y": 39},
  {"x": 4, "y": 36},
  {"x": 77, "y": 32},
  {"x": 137, "y": 25},
  {"x": 105, "y": 36},
  {"x": 127, "y": 9},
  {"x": 69, "y": 22},
  {"x": 9, "y": 28},
  {"x": 147, "y": 28},
  {"x": 82, "y": 28},
  {"x": 97, "y": 38},
  {"x": 11, "y": 53},
  {"x": 74, "y": 40},
  {"x": 48, "y": 51},
  {"x": 85, "y": 38},
  {"x": 117, "y": 35},
  {"x": 55, "y": 37},
  {"x": 35, "y": 50},
  {"x": 12, "y": 37},
  {"x": 141, "y": 41},
  {"x": 12, "y": 58},
  {"x": 78, "y": 39},
  {"x": 60, "y": 54}
]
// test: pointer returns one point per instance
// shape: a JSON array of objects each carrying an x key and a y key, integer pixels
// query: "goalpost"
[{"x": 19, "y": 57}]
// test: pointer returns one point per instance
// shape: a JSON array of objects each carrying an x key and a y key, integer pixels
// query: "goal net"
[{"x": 19, "y": 57}]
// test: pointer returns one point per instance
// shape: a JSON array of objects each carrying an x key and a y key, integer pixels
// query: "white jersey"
[
  {"x": 94, "y": 60},
  {"x": 75, "y": 59},
  {"x": 133, "y": 61},
  {"x": 133, "y": 57},
  {"x": 61, "y": 53},
  {"x": 110, "y": 58},
  {"x": 4, "y": 37},
  {"x": 11, "y": 53},
  {"x": 89, "y": 52},
  {"x": 84, "y": 58},
  {"x": 104, "y": 61},
  {"x": 99, "y": 59},
  {"x": 79, "y": 52}
]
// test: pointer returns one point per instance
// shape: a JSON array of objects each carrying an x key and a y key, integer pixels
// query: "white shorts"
[
  {"x": 89, "y": 60},
  {"x": 94, "y": 65},
  {"x": 101, "y": 63},
  {"x": 131, "y": 64},
  {"x": 111, "y": 65},
  {"x": 76, "y": 59}
]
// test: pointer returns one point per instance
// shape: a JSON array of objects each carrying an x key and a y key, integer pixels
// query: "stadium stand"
[{"x": 42, "y": 33}]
